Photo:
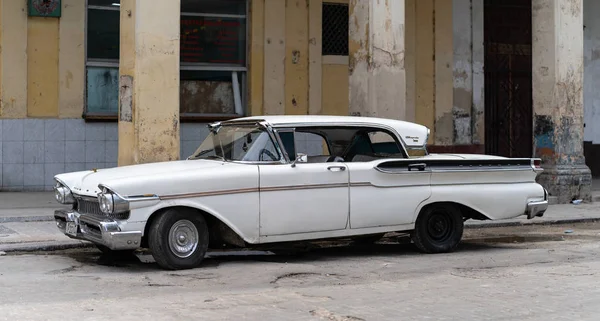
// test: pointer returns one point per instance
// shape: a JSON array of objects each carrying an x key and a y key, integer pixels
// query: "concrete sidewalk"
[{"x": 27, "y": 224}]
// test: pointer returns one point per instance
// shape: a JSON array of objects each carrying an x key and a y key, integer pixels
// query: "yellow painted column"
[
  {"x": 315, "y": 50},
  {"x": 275, "y": 56},
  {"x": 377, "y": 72},
  {"x": 13, "y": 59},
  {"x": 424, "y": 65},
  {"x": 42, "y": 67},
  {"x": 257, "y": 56},
  {"x": 296, "y": 60},
  {"x": 71, "y": 59},
  {"x": 149, "y": 81}
]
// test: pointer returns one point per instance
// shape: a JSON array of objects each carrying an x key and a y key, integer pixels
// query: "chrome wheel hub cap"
[{"x": 183, "y": 238}]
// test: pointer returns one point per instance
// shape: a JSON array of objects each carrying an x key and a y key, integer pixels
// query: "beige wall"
[
  {"x": 42, "y": 62},
  {"x": 288, "y": 74}
]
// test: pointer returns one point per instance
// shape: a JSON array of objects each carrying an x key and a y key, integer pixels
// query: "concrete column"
[
  {"x": 558, "y": 98},
  {"x": 377, "y": 78},
  {"x": 13, "y": 59},
  {"x": 149, "y": 81}
]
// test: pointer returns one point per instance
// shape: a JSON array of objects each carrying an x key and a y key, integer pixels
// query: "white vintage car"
[{"x": 272, "y": 179}]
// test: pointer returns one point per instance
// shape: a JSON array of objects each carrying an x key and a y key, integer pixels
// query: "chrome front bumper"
[{"x": 100, "y": 230}]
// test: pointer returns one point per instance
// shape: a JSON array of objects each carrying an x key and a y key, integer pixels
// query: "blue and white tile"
[
  {"x": 34, "y": 152},
  {"x": 50, "y": 170},
  {"x": 74, "y": 129},
  {"x": 93, "y": 165},
  {"x": 36, "y": 188},
  {"x": 12, "y": 175},
  {"x": 33, "y": 130},
  {"x": 12, "y": 152},
  {"x": 95, "y": 132},
  {"x": 75, "y": 167},
  {"x": 94, "y": 151},
  {"x": 112, "y": 132},
  {"x": 75, "y": 152},
  {"x": 54, "y": 130},
  {"x": 189, "y": 131},
  {"x": 12, "y": 130},
  {"x": 111, "y": 165},
  {"x": 33, "y": 175},
  {"x": 112, "y": 151},
  {"x": 54, "y": 152},
  {"x": 188, "y": 148}
]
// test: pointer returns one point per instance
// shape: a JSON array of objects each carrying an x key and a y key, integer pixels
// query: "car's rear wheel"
[
  {"x": 439, "y": 228},
  {"x": 178, "y": 239}
]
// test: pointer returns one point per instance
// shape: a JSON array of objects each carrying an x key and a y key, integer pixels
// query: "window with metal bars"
[{"x": 335, "y": 29}]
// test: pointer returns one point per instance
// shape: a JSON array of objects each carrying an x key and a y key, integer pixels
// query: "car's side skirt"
[{"x": 334, "y": 234}]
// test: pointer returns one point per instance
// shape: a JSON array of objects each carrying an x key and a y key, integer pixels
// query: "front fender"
[{"x": 245, "y": 223}]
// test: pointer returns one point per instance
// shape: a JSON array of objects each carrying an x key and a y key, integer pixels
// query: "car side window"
[
  {"x": 311, "y": 144},
  {"x": 314, "y": 146},
  {"x": 374, "y": 144}
]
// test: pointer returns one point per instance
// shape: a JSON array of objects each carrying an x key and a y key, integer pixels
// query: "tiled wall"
[{"x": 32, "y": 151}]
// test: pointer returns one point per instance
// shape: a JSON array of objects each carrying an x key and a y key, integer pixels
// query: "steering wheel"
[
  {"x": 335, "y": 159},
  {"x": 268, "y": 153}
]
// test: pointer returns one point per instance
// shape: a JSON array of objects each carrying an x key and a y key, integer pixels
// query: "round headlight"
[
  {"x": 106, "y": 203},
  {"x": 63, "y": 195}
]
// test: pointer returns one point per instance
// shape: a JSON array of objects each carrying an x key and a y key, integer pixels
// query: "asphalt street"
[{"x": 510, "y": 273}]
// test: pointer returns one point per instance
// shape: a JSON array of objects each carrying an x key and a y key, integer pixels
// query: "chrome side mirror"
[{"x": 302, "y": 158}]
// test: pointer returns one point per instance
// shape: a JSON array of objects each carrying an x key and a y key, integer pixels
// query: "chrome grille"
[{"x": 89, "y": 207}]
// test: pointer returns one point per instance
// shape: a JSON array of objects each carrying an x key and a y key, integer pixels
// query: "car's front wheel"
[
  {"x": 439, "y": 228},
  {"x": 178, "y": 239}
]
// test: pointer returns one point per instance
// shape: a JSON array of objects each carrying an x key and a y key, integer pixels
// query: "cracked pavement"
[{"x": 509, "y": 273}]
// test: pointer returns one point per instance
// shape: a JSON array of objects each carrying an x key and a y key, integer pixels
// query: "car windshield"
[{"x": 248, "y": 143}]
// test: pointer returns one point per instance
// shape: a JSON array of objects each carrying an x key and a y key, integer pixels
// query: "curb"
[
  {"x": 25, "y": 219},
  {"x": 532, "y": 223},
  {"x": 44, "y": 246}
]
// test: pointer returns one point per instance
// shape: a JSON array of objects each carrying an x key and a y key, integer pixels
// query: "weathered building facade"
[{"x": 109, "y": 82}]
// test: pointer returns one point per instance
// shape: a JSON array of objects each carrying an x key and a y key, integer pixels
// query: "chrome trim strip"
[
  {"x": 431, "y": 170},
  {"x": 301, "y": 187},
  {"x": 253, "y": 190},
  {"x": 212, "y": 193},
  {"x": 368, "y": 184}
]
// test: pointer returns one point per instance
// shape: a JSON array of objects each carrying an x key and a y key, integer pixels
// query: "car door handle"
[
  {"x": 340, "y": 168},
  {"x": 420, "y": 167}
]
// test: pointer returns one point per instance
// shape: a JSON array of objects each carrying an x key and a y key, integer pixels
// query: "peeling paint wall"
[
  {"x": 558, "y": 98},
  {"x": 152, "y": 61},
  {"x": 463, "y": 71},
  {"x": 558, "y": 80},
  {"x": 591, "y": 94},
  {"x": 478, "y": 87},
  {"x": 288, "y": 73},
  {"x": 377, "y": 74}
]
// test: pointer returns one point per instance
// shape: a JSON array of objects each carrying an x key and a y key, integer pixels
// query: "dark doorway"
[{"x": 508, "y": 78}]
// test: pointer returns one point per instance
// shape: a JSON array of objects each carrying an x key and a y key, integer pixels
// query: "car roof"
[{"x": 413, "y": 135}]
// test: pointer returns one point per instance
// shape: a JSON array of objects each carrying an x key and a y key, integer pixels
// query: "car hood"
[{"x": 86, "y": 182}]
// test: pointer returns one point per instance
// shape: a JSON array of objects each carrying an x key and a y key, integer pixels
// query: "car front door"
[{"x": 308, "y": 197}]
